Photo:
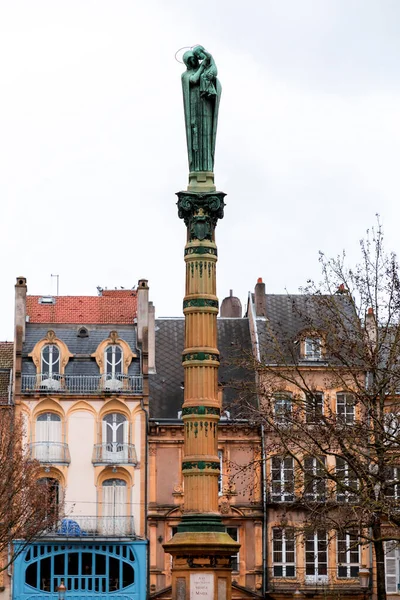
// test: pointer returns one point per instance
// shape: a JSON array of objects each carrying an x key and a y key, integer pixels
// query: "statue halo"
[{"x": 184, "y": 48}]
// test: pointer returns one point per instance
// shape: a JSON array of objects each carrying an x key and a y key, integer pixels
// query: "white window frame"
[
  {"x": 316, "y": 537},
  {"x": 312, "y": 348},
  {"x": 114, "y": 511},
  {"x": 348, "y": 540},
  {"x": 392, "y": 429},
  {"x": 393, "y": 476},
  {"x": 317, "y": 478},
  {"x": 114, "y": 450},
  {"x": 51, "y": 364},
  {"x": 285, "y": 479},
  {"x": 284, "y": 564},
  {"x": 220, "y": 480},
  {"x": 283, "y": 408},
  {"x": 348, "y": 479},
  {"x": 109, "y": 367},
  {"x": 392, "y": 567},
  {"x": 314, "y": 407},
  {"x": 345, "y": 407},
  {"x": 235, "y": 531}
]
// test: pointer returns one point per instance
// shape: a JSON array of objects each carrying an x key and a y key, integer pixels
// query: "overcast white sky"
[{"x": 92, "y": 140}]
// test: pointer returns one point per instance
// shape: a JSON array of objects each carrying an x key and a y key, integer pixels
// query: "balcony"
[
  {"x": 50, "y": 452},
  {"x": 82, "y": 384},
  {"x": 114, "y": 454},
  {"x": 80, "y": 526}
]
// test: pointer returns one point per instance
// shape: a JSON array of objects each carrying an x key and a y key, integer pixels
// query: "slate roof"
[
  {"x": 166, "y": 386},
  {"x": 111, "y": 307},
  {"x": 83, "y": 347},
  {"x": 6, "y": 363},
  {"x": 290, "y": 315}
]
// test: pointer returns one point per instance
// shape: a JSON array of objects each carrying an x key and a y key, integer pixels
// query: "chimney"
[
  {"x": 142, "y": 308},
  {"x": 20, "y": 306},
  {"x": 231, "y": 307},
  {"x": 19, "y": 334},
  {"x": 260, "y": 298},
  {"x": 152, "y": 339}
]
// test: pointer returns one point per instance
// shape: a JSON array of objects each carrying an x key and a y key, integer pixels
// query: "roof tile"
[{"x": 118, "y": 307}]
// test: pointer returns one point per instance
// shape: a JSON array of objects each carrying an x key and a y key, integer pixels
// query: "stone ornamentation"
[{"x": 201, "y": 212}]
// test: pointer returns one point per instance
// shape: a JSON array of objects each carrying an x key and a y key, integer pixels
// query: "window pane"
[
  {"x": 73, "y": 563},
  {"x": 128, "y": 575}
]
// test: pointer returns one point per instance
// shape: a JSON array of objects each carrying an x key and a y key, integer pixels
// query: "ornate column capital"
[{"x": 201, "y": 213}]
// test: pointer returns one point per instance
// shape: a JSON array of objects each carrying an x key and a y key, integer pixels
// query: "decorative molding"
[
  {"x": 200, "y": 410},
  {"x": 200, "y": 303},
  {"x": 200, "y": 465},
  {"x": 201, "y": 250},
  {"x": 114, "y": 340},
  {"x": 178, "y": 490},
  {"x": 201, "y": 213},
  {"x": 200, "y": 356},
  {"x": 225, "y": 507},
  {"x": 51, "y": 338}
]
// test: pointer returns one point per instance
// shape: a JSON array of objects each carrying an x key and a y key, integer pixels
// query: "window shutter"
[{"x": 390, "y": 567}]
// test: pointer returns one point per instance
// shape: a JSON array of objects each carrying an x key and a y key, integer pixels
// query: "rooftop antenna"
[{"x": 58, "y": 282}]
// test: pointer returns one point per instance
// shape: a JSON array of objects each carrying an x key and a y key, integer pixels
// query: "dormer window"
[
  {"x": 50, "y": 361},
  {"x": 113, "y": 356},
  {"x": 113, "y": 361},
  {"x": 312, "y": 348}
]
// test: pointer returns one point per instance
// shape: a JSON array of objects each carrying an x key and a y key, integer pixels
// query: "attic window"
[
  {"x": 83, "y": 332},
  {"x": 312, "y": 348},
  {"x": 47, "y": 300}
]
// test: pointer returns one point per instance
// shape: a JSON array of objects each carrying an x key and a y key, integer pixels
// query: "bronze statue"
[{"x": 201, "y": 96}]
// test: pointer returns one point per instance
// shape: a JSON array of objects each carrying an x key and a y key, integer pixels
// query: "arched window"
[
  {"x": 114, "y": 510},
  {"x": 115, "y": 434},
  {"x": 50, "y": 361},
  {"x": 48, "y": 437},
  {"x": 88, "y": 571},
  {"x": 53, "y": 489},
  {"x": 113, "y": 361}
]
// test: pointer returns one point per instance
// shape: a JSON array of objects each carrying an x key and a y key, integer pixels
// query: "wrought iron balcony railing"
[
  {"x": 50, "y": 452},
  {"x": 114, "y": 454},
  {"x": 82, "y": 526},
  {"x": 82, "y": 384}
]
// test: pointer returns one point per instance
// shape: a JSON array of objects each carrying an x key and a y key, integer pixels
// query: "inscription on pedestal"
[{"x": 201, "y": 586}]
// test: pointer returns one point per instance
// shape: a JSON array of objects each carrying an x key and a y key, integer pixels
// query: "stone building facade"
[
  {"x": 240, "y": 490},
  {"x": 81, "y": 387}
]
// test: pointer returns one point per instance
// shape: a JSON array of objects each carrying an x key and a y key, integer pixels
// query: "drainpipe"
[
  {"x": 252, "y": 316},
  {"x": 265, "y": 514}
]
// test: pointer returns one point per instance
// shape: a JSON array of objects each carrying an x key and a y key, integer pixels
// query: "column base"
[
  {"x": 201, "y": 181},
  {"x": 202, "y": 535},
  {"x": 201, "y": 522}
]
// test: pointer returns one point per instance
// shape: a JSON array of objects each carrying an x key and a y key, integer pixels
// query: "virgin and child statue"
[{"x": 201, "y": 96}]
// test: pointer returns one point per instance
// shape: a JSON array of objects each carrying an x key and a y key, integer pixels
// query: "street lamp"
[
  {"x": 364, "y": 575},
  {"x": 61, "y": 590}
]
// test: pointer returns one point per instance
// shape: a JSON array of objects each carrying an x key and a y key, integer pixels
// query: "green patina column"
[{"x": 201, "y": 549}]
